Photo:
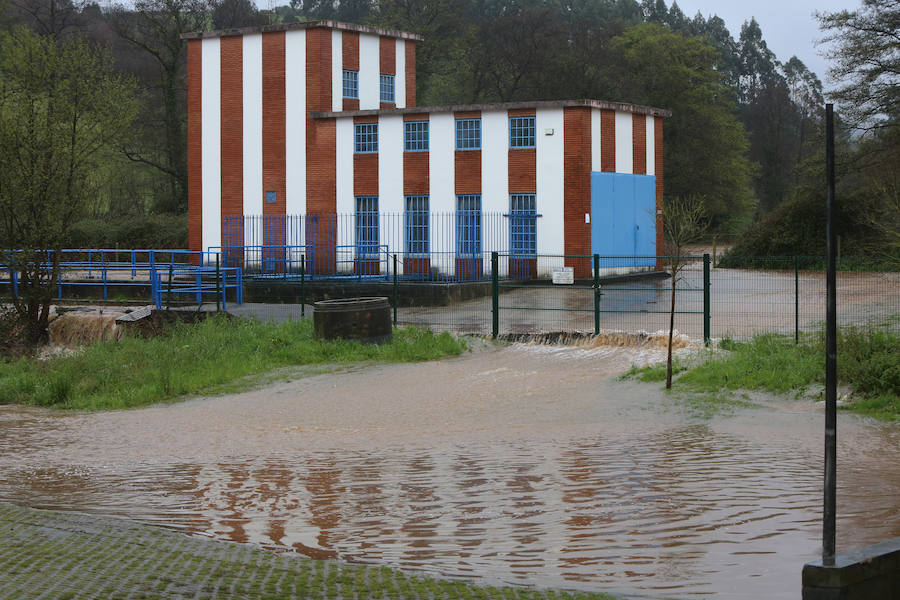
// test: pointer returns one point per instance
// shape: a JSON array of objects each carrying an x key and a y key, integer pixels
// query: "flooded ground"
[{"x": 526, "y": 464}]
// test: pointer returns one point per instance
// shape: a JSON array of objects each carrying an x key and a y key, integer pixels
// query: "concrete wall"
[{"x": 864, "y": 574}]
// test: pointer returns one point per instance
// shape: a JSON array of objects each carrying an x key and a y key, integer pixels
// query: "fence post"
[
  {"x": 706, "y": 324},
  {"x": 796, "y": 301},
  {"x": 302, "y": 285},
  {"x": 495, "y": 295},
  {"x": 596, "y": 294},
  {"x": 169, "y": 288},
  {"x": 218, "y": 298},
  {"x": 396, "y": 290}
]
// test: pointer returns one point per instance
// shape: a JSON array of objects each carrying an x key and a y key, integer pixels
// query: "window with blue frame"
[
  {"x": 468, "y": 134},
  {"x": 351, "y": 84},
  {"x": 468, "y": 225},
  {"x": 387, "y": 88},
  {"x": 415, "y": 136},
  {"x": 367, "y": 226},
  {"x": 365, "y": 138},
  {"x": 416, "y": 225},
  {"x": 522, "y": 225},
  {"x": 521, "y": 132}
]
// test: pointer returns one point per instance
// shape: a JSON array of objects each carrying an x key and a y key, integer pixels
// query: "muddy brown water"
[{"x": 528, "y": 465}]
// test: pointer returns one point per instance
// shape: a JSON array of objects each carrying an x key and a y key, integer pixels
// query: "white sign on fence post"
[{"x": 564, "y": 275}]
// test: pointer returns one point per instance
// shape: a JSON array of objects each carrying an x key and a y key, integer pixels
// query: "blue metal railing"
[{"x": 106, "y": 268}]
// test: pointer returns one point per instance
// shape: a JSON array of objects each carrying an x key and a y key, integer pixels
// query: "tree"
[
  {"x": 705, "y": 145},
  {"x": 684, "y": 222},
  {"x": 49, "y": 17},
  {"x": 62, "y": 109},
  {"x": 866, "y": 55},
  {"x": 155, "y": 27}
]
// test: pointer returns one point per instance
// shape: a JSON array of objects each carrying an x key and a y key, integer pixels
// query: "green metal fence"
[{"x": 781, "y": 295}]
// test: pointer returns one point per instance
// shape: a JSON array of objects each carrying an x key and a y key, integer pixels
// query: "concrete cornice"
[
  {"x": 537, "y": 104},
  {"x": 402, "y": 35}
]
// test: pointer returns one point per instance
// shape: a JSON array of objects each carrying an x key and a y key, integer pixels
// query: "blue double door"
[{"x": 623, "y": 217}]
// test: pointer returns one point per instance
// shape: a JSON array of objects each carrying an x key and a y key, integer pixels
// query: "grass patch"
[
  {"x": 214, "y": 354},
  {"x": 868, "y": 360}
]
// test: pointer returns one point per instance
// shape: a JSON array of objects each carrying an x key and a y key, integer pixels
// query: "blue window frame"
[
  {"x": 416, "y": 225},
  {"x": 468, "y": 225},
  {"x": 521, "y": 132},
  {"x": 367, "y": 226},
  {"x": 522, "y": 225},
  {"x": 365, "y": 138},
  {"x": 387, "y": 88},
  {"x": 468, "y": 134},
  {"x": 415, "y": 136},
  {"x": 351, "y": 84}
]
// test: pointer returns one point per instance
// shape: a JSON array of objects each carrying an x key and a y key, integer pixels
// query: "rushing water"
[{"x": 527, "y": 465}]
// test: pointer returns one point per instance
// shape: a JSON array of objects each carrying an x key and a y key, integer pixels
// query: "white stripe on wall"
[
  {"x": 295, "y": 124},
  {"x": 369, "y": 71},
  {"x": 345, "y": 202},
  {"x": 595, "y": 140},
  {"x": 550, "y": 182},
  {"x": 624, "y": 143},
  {"x": 337, "y": 70},
  {"x": 651, "y": 148},
  {"x": 210, "y": 106},
  {"x": 400, "y": 77},
  {"x": 441, "y": 163},
  {"x": 390, "y": 174},
  {"x": 252, "y": 137},
  {"x": 495, "y": 163}
]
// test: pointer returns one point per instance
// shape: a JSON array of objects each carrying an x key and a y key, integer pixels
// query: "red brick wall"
[
  {"x": 658, "y": 170},
  {"x": 232, "y": 119},
  {"x": 467, "y": 163},
  {"x": 320, "y": 134},
  {"x": 388, "y": 61},
  {"x": 350, "y": 48},
  {"x": 577, "y": 185},
  {"x": 608, "y": 141},
  {"x": 194, "y": 145},
  {"x": 410, "y": 74},
  {"x": 365, "y": 168},
  {"x": 522, "y": 163},
  {"x": 522, "y": 171},
  {"x": 639, "y": 143},
  {"x": 273, "y": 127},
  {"x": 415, "y": 166}
]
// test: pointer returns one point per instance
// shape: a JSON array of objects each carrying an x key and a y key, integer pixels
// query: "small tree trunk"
[{"x": 671, "y": 329}]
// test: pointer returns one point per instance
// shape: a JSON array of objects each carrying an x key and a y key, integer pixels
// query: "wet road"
[{"x": 529, "y": 464}]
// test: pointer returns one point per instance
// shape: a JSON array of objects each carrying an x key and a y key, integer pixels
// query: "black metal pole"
[
  {"x": 796, "y": 301},
  {"x": 830, "y": 505},
  {"x": 396, "y": 290},
  {"x": 495, "y": 295},
  {"x": 596, "y": 294}
]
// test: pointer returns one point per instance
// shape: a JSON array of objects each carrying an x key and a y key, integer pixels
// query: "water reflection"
[{"x": 637, "y": 496}]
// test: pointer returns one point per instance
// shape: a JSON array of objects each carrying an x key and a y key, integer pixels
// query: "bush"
[{"x": 140, "y": 232}]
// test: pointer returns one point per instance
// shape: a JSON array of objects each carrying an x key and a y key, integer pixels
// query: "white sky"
[{"x": 788, "y": 26}]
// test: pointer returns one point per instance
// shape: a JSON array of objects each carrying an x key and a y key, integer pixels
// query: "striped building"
[{"x": 313, "y": 120}]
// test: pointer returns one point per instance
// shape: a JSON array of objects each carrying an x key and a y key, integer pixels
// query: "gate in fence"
[{"x": 611, "y": 298}]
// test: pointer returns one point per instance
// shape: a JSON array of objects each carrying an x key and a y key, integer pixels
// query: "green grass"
[
  {"x": 868, "y": 360},
  {"x": 216, "y": 354}
]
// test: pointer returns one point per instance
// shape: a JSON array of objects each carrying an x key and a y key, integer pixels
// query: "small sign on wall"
[{"x": 564, "y": 275}]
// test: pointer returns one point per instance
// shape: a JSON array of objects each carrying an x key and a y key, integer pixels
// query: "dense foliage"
[{"x": 746, "y": 125}]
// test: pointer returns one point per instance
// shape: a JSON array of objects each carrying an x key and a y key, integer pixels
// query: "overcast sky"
[{"x": 788, "y": 26}]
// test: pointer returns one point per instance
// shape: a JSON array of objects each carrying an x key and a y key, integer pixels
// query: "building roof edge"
[
  {"x": 537, "y": 104},
  {"x": 403, "y": 35}
]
